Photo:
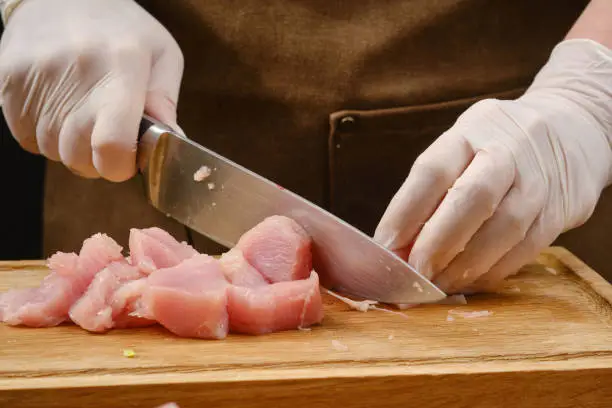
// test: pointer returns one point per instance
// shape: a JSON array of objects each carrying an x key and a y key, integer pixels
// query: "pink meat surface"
[
  {"x": 278, "y": 248},
  {"x": 37, "y": 307},
  {"x": 190, "y": 299},
  {"x": 153, "y": 248},
  {"x": 238, "y": 271},
  {"x": 127, "y": 303},
  {"x": 264, "y": 284},
  {"x": 93, "y": 311},
  {"x": 48, "y": 304},
  {"x": 63, "y": 263},
  {"x": 276, "y": 307},
  {"x": 97, "y": 251}
]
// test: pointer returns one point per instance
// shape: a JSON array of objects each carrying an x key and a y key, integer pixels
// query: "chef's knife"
[{"x": 232, "y": 200}]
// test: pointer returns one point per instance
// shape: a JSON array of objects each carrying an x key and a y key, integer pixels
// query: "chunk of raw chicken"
[
  {"x": 275, "y": 307},
  {"x": 93, "y": 311},
  {"x": 153, "y": 248},
  {"x": 238, "y": 271},
  {"x": 190, "y": 299},
  {"x": 279, "y": 248},
  {"x": 48, "y": 304},
  {"x": 262, "y": 285},
  {"x": 127, "y": 303},
  {"x": 63, "y": 263},
  {"x": 97, "y": 251}
]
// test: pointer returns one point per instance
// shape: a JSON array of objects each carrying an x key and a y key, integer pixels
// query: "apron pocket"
[{"x": 370, "y": 153}]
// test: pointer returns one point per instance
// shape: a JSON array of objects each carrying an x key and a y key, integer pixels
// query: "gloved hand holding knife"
[{"x": 74, "y": 87}]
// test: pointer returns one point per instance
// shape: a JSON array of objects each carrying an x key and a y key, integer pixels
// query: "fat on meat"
[
  {"x": 48, "y": 304},
  {"x": 279, "y": 248},
  {"x": 276, "y": 307},
  {"x": 190, "y": 299},
  {"x": 93, "y": 311},
  {"x": 153, "y": 248},
  {"x": 238, "y": 271}
]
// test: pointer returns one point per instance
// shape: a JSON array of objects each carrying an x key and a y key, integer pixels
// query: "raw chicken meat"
[
  {"x": 127, "y": 303},
  {"x": 276, "y": 307},
  {"x": 93, "y": 311},
  {"x": 36, "y": 307},
  {"x": 153, "y": 248},
  {"x": 339, "y": 346},
  {"x": 97, "y": 252},
  {"x": 278, "y": 248},
  {"x": 264, "y": 284},
  {"x": 48, "y": 304},
  {"x": 361, "y": 305},
  {"x": 202, "y": 173},
  {"x": 238, "y": 271},
  {"x": 63, "y": 263},
  {"x": 190, "y": 299}
]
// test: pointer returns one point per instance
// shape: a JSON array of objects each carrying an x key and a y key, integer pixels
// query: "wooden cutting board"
[{"x": 548, "y": 343}]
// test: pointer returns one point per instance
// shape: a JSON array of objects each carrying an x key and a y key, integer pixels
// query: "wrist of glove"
[
  {"x": 499, "y": 186},
  {"x": 578, "y": 82},
  {"x": 566, "y": 121}
]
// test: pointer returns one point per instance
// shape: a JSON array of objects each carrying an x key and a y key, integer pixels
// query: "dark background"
[{"x": 21, "y": 198}]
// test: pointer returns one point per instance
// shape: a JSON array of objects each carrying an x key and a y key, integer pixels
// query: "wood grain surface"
[{"x": 548, "y": 343}]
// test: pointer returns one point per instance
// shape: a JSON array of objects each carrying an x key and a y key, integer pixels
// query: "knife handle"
[
  {"x": 149, "y": 132},
  {"x": 145, "y": 124}
]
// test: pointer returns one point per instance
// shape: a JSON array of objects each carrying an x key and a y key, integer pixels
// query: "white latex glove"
[
  {"x": 77, "y": 76},
  {"x": 498, "y": 187}
]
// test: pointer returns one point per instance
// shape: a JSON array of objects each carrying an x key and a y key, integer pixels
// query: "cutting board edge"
[
  {"x": 12, "y": 265},
  {"x": 598, "y": 364},
  {"x": 577, "y": 266}
]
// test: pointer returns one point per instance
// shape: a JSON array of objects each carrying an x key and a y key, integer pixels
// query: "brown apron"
[{"x": 331, "y": 99}]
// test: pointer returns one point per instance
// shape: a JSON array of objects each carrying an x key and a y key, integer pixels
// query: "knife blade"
[{"x": 233, "y": 199}]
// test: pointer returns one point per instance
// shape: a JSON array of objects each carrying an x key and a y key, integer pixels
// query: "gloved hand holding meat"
[{"x": 510, "y": 176}]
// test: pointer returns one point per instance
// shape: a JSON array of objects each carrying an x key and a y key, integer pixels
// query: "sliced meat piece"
[
  {"x": 43, "y": 306},
  {"x": 63, "y": 263},
  {"x": 238, "y": 271},
  {"x": 276, "y": 307},
  {"x": 27, "y": 306},
  {"x": 182, "y": 249},
  {"x": 278, "y": 248},
  {"x": 190, "y": 299},
  {"x": 93, "y": 311},
  {"x": 127, "y": 303},
  {"x": 153, "y": 248},
  {"x": 97, "y": 251},
  {"x": 48, "y": 304}
]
